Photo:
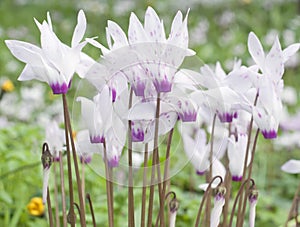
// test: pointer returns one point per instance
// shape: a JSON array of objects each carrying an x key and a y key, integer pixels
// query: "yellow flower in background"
[
  {"x": 36, "y": 207},
  {"x": 7, "y": 86}
]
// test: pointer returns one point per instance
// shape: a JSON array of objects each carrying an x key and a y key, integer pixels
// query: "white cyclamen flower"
[{"x": 54, "y": 63}]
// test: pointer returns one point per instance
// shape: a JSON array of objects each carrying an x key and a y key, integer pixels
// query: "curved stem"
[
  {"x": 88, "y": 197},
  {"x": 237, "y": 197},
  {"x": 293, "y": 206},
  {"x": 204, "y": 198}
]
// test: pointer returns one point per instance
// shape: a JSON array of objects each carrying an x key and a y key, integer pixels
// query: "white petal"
[
  {"x": 79, "y": 29},
  {"x": 136, "y": 32},
  {"x": 291, "y": 166},
  {"x": 84, "y": 146},
  {"x": 49, "y": 20},
  {"x": 45, "y": 183},
  {"x": 255, "y": 49},
  {"x": 216, "y": 212},
  {"x": 25, "y": 52},
  {"x": 98, "y": 45},
  {"x": 142, "y": 111},
  {"x": 153, "y": 26},
  {"x": 117, "y": 34},
  {"x": 290, "y": 51},
  {"x": 274, "y": 61}
]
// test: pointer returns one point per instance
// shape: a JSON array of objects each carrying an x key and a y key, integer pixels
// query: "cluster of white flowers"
[{"x": 143, "y": 66}]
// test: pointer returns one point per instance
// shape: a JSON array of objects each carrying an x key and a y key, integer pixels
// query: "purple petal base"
[
  {"x": 139, "y": 88},
  {"x": 201, "y": 173},
  {"x": 59, "y": 88},
  {"x": 272, "y": 134},
  {"x": 163, "y": 85},
  {"x": 97, "y": 139},
  {"x": 114, "y": 162},
  {"x": 227, "y": 117},
  {"x": 237, "y": 178},
  {"x": 85, "y": 159},
  {"x": 113, "y": 94},
  {"x": 188, "y": 116},
  {"x": 137, "y": 135}
]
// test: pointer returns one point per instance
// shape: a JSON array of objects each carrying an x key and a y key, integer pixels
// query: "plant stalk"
[
  {"x": 108, "y": 189},
  {"x": 130, "y": 174},
  {"x": 78, "y": 181},
  {"x": 209, "y": 175},
  {"x": 62, "y": 185},
  {"x": 144, "y": 186},
  {"x": 71, "y": 212},
  {"x": 57, "y": 222},
  {"x": 49, "y": 209}
]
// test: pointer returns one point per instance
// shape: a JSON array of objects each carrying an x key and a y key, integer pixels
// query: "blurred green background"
[{"x": 218, "y": 31}]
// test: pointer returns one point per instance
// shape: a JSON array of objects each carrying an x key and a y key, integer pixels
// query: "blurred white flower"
[{"x": 291, "y": 166}]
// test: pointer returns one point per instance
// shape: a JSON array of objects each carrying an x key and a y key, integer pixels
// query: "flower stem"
[
  {"x": 209, "y": 176},
  {"x": 108, "y": 188},
  {"x": 71, "y": 212},
  {"x": 88, "y": 197},
  {"x": 78, "y": 181},
  {"x": 239, "y": 215},
  {"x": 155, "y": 163},
  {"x": 249, "y": 176},
  {"x": 237, "y": 198},
  {"x": 292, "y": 212},
  {"x": 166, "y": 169},
  {"x": 144, "y": 186},
  {"x": 49, "y": 209},
  {"x": 83, "y": 180},
  {"x": 62, "y": 185},
  {"x": 130, "y": 176},
  {"x": 206, "y": 196},
  {"x": 57, "y": 222},
  {"x": 228, "y": 183}
]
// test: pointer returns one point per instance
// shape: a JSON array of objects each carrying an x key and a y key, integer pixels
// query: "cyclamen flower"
[
  {"x": 269, "y": 83},
  {"x": 97, "y": 114},
  {"x": 220, "y": 97},
  {"x": 236, "y": 154},
  {"x": 84, "y": 148},
  {"x": 147, "y": 55},
  {"x": 54, "y": 63},
  {"x": 272, "y": 64}
]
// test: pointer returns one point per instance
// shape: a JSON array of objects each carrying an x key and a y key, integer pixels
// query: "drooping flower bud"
[
  {"x": 47, "y": 160},
  {"x": 253, "y": 195},
  {"x": 218, "y": 206}
]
